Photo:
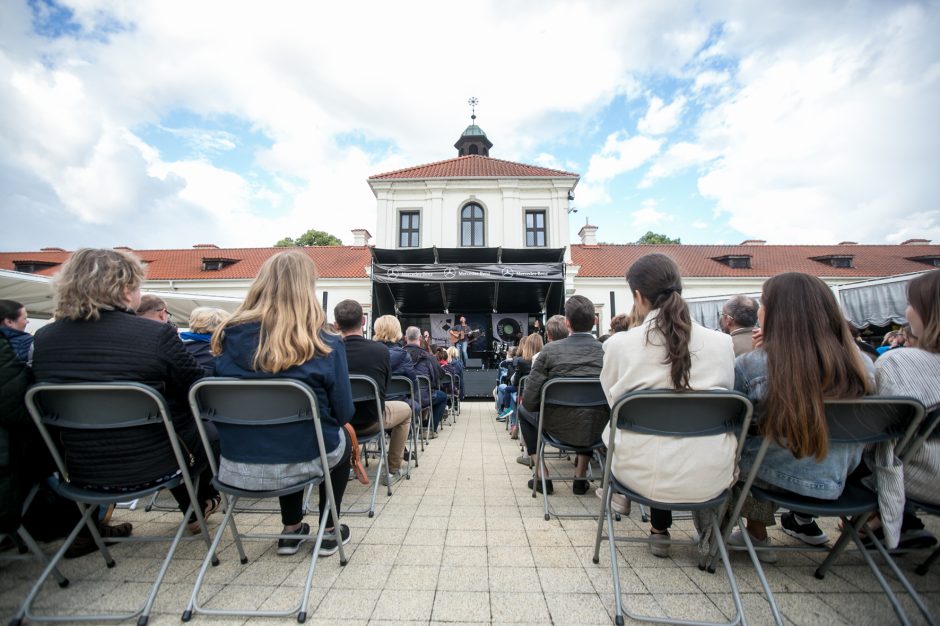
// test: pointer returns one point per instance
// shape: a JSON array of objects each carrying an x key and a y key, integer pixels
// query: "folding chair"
[
  {"x": 667, "y": 413},
  {"x": 102, "y": 407},
  {"x": 861, "y": 421},
  {"x": 364, "y": 389},
  {"x": 927, "y": 432},
  {"x": 403, "y": 386},
  {"x": 426, "y": 380},
  {"x": 519, "y": 392},
  {"x": 453, "y": 406},
  {"x": 235, "y": 406},
  {"x": 26, "y": 546},
  {"x": 565, "y": 392}
]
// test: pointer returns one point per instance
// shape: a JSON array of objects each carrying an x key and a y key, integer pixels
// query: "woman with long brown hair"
[
  {"x": 278, "y": 331},
  {"x": 667, "y": 350},
  {"x": 806, "y": 354}
]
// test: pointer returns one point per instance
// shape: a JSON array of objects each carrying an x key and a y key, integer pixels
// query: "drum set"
[{"x": 500, "y": 350}]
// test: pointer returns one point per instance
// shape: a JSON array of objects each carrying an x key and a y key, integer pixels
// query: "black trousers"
[
  {"x": 292, "y": 505},
  {"x": 660, "y": 519}
]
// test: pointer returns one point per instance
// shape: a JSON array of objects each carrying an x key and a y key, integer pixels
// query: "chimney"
[
  {"x": 128, "y": 248},
  {"x": 361, "y": 237},
  {"x": 52, "y": 249},
  {"x": 206, "y": 245},
  {"x": 916, "y": 242},
  {"x": 753, "y": 242},
  {"x": 588, "y": 235},
  {"x": 848, "y": 243}
]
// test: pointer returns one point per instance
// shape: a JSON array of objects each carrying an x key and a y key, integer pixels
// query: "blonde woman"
[
  {"x": 98, "y": 338},
  {"x": 202, "y": 323},
  {"x": 278, "y": 332}
]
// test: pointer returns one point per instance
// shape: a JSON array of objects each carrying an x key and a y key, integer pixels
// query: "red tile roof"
[
  {"x": 698, "y": 261},
  {"x": 332, "y": 261},
  {"x": 473, "y": 166}
]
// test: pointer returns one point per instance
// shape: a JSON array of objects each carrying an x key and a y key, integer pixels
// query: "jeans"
[{"x": 462, "y": 351}]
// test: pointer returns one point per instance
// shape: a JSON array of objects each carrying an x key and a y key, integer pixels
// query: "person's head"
[
  {"x": 13, "y": 315},
  {"x": 811, "y": 356},
  {"x": 923, "y": 310},
  {"x": 463, "y": 320},
  {"x": 656, "y": 285},
  {"x": 283, "y": 300},
  {"x": 204, "y": 320},
  {"x": 890, "y": 338},
  {"x": 555, "y": 328},
  {"x": 538, "y": 323},
  {"x": 531, "y": 346},
  {"x": 95, "y": 280},
  {"x": 452, "y": 354},
  {"x": 619, "y": 323},
  {"x": 153, "y": 308},
  {"x": 738, "y": 312},
  {"x": 440, "y": 354},
  {"x": 387, "y": 328},
  {"x": 348, "y": 317},
  {"x": 413, "y": 336},
  {"x": 579, "y": 313}
]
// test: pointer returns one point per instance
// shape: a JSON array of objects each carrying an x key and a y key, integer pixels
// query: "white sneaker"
[
  {"x": 764, "y": 556},
  {"x": 392, "y": 477}
]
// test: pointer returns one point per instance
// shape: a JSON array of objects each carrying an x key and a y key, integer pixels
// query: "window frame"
[
  {"x": 535, "y": 230},
  {"x": 472, "y": 221},
  {"x": 413, "y": 232}
]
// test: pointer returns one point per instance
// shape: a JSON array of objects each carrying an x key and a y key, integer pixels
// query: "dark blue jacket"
[
  {"x": 20, "y": 341},
  {"x": 328, "y": 376}
]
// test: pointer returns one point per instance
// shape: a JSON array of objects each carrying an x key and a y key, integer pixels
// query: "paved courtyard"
[{"x": 463, "y": 541}]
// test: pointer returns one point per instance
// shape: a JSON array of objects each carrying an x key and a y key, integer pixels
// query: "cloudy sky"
[{"x": 157, "y": 123}]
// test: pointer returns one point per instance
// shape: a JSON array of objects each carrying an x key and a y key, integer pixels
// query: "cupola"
[{"x": 473, "y": 140}]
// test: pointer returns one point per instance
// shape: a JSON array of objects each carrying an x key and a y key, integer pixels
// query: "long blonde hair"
[
  {"x": 283, "y": 299},
  {"x": 95, "y": 280},
  {"x": 531, "y": 346}
]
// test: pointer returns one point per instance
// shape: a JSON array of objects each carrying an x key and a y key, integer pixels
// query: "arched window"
[
  {"x": 472, "y": 225},
  {"x": 473, "y": 149}
]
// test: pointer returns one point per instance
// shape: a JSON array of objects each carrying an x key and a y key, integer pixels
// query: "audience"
[
  {"x": 579, "y": 354},
  {"x": 425, "y": 365},
  {"x": 13, "y": 321},
  {"x": 97, "y": 338},
  {"x": 370, "y": 358},
  {"x": 387, "y": 331},
  {"x": 202, "y": 323},
  {"x": 278, "y": 332},
  {"x": 153, "y": 308},
  {"x": 787, "y": 380},
  {"x": 738, "y": 318},
  {"x": 667, "y": 351}
]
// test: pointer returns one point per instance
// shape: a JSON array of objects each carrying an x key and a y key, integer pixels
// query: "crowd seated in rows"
[{"x": 203, "y": 321}]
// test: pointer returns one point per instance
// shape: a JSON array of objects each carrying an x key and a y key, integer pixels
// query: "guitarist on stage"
[{"x": 458, "y": 337}]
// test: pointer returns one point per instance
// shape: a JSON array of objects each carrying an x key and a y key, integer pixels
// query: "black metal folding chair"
[
  {"x": 429, "y": 410},
  {"x": 26, "y": 546},
  {"x": 237, "y": 406},
  {"x": 104, "y": 407},
  {"x": 570, "y": 393},
  {"x": 927, "y": 432},
  {"x": 667, "y": 413},
  {"x": 403, "y": 386},
  {"x": 364, "y": 389},
  {"x": 861, "y": 422}
]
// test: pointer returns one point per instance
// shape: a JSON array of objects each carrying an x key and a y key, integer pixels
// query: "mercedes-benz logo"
[
  {"x": 449, "y": 272},
  {"x": 393, "y": 273},
  {"x": 507, "y": 272}
]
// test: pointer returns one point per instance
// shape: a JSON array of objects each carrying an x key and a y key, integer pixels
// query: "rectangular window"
[
  {"x": 535, "y": 229},
  {"x": 409, "y": 229}
]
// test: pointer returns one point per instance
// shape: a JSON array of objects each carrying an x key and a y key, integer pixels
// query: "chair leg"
[
  {"x": 841, "y": 543},
  {"x": 760, "y": 573},
  {"x": 34, "y": 548},
  {"x": 614, "y": 566},
  {"x": 924, "y": 567}
]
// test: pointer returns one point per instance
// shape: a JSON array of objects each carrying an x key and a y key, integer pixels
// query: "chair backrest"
[
  {"x": 573, "y": 392},
  {"x": 259, "y": 420},
  {"x": 520, "y": 389},
  {"x": 398, "y": 386},
  {"x": 872, "y": 419},
  {"x": 666, "y": 412},
  {"x": 101, "y": 407},
  {"x": 928, "y": 431},
  {"x": 365, "y": 389},
  {"x": 426, "y": 381}
]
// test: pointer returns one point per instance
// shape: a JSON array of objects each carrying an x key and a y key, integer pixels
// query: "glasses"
[{"x": 168, "y": 314}]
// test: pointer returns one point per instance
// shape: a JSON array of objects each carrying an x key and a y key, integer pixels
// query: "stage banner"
[
  {"x": 477, "y": 322},
  {"x": 510, "y": 327},
  {"x": 469, "y": 273}
]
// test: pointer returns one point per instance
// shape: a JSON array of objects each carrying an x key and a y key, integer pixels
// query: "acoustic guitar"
[{"x": 459, "y": 335}]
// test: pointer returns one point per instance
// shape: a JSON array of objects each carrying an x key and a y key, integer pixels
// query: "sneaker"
[
  {"x": 618, "y": 502},
  {"x": 287, "y": 547},
  {"x": 764, "y": 556},
  {"x": 329, "y": 545},
  {"x": 501, "y": 417},
  {"x": 433, "y": 435},
  {"x": 392, "y": 477},
  {"x": 524, "y": 459},
  {"x": 657, "y": 547},
  {"x": 807, "y": 533}
]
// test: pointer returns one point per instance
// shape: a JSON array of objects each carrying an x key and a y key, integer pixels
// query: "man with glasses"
[
  {"x": 738, "y": 318},
  {"x": 154, "y": 308}
]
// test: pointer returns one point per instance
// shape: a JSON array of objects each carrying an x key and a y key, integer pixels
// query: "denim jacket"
[{"x": 824, "y": 479}]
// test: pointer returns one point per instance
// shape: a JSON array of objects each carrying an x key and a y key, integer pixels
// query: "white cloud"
[
  {"x": 620, "y": 153},
  {"x": 699, "y": 225},
  {"x": 676, "y": 159},
  {"x": 661, "y": 118},
  {"x": 710, "y": 78},
  {"x": 649, "y": 216}
]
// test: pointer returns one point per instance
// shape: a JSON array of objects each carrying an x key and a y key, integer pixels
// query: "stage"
[{"x": 479, "y": 383}]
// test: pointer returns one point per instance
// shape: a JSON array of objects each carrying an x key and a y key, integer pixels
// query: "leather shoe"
[
  {"x": 84, "y": 544},
  {"x": 580, "y": 487},
  {"x": 538, "y": 485}
]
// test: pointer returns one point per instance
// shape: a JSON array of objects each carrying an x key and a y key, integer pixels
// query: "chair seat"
[
  {"x": 249, "y": 493},
  {"x": 619, "y": 487},
  {"x": 931, "y": 509},
  {"x": 552, "y": 441},
  {"x": 855, "y": 500},
  {"x": 89, "y": 495}
]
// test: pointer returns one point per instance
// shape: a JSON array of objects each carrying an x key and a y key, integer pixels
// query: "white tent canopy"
[{"x": 35, "y": 292}]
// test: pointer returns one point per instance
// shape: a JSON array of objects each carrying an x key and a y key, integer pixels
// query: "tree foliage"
[
  {"x": 312, "y": 237},
  {"x": 651, "y": 237}
]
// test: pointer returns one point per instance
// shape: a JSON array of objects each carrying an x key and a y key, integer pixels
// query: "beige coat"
[{"x": 669, "y": 469}]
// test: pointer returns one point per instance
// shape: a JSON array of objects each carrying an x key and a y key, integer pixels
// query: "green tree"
[
  {"x": 651, "y": 237},
  {"x": 312, "y": 237}
]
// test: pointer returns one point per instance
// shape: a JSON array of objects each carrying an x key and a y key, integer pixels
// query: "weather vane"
[{"x": 473, "y": 102}]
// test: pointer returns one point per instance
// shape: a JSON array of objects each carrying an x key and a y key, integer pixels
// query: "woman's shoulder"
[{"x": 908, "y": 359}]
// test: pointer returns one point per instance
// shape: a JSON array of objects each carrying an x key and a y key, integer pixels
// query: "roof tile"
[{"x": 473, "y": 166}]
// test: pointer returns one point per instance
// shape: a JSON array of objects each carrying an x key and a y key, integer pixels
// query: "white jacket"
[{"x": 669, "y": 469}]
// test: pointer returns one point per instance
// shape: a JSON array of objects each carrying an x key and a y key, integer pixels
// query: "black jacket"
[
  {"x": 425, "y": 365},
  {"x": 578, "y": 355},
  {"x": 14, "y": 423},
  {"x": 368, "y": 358},
  {"x": 121, "y": 347}
]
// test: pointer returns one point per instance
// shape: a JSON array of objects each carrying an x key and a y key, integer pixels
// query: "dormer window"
[
  {"x": 216, "y": 264},
  {"x": 735, "y": 261},
  {"x": 932, "y": 260},
  {"x": 32, "y": 267},
  {"x": 841, "y": 261}
]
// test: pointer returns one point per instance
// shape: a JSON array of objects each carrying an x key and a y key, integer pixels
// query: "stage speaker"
[{"x": 475, "y": 363}]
